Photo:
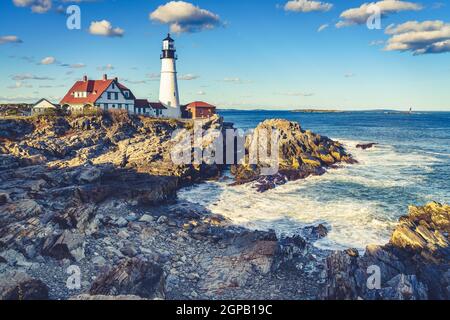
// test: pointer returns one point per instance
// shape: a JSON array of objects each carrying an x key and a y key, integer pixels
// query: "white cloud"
[
  {"x": 105, "y": 29},
  {"x": 48, "y": 60},
  {"x": 307, "y": 6},
  {"x": 10, "y": 39},
  {"x": 37, "y": 6},
  {"x": 235, "y": 80},
  {"x": 376, "y": 43},
  {"x": 185, "y": 17},
  {"x": 349, "y": 75},
  {"x": 201, "y": 93},
  {"x": 189, "y": 77},
  {"x": 107, "y": 67},
  {"x": 153, "y": 76},
  {"x": 28, "y": 76},
  {"x": 73, "y": 65},
  {"x": 77, "y": 65},
  {"x": 20, "y": 84},
  {"x": 135, "y": 81},
  {"x": 419, "y": 37},
  {"x": 361, "y": 14},
  {"x": 322, "y": 27}
]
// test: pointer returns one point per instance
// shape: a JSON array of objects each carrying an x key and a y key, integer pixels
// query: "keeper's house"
[{"x": 107, "y": 94}]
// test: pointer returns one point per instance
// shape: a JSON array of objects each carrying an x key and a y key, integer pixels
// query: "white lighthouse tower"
[{"x": 168, "y": 91}]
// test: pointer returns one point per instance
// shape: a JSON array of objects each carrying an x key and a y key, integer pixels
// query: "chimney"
[
  {"x": 85, "y": 78},
  {"x": 105, "y": 77},
  {"x": 117, "y": 79}
]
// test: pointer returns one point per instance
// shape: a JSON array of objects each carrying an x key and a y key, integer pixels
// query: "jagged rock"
[
  {"x": 121, "y": 222},
  {"x": 162, "y": 220},
  {"x": 414, "y": 265},
  {"x": 19, "y": 286},
  {"x": 249, "y": 252},
  {"x": 341, "y": 281},
  {"x": 132, "y": 277},
  {"x": 402, "y": 287},
  {"x": 146, "y": 218},
  {"x": 300, "y": 154},
  {"x": 79, "y": 217},
  {"x": 90, "y": 174},
  {"x": 4, "y": 198},
  {"x": 19, "y": 210},
  {"x": 316, "y": 232},
  {"x": 16, "y": 259},
  {"x": 289, "y": 251},
  {"x": 366, "y": 146},
  {"x": 66, "y": 245}
]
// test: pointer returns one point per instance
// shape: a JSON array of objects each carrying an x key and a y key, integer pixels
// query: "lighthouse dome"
[{"x": 168, "y": 38}]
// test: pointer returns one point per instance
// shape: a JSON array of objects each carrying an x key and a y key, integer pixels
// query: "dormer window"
[{"x": 80, "y": 94}]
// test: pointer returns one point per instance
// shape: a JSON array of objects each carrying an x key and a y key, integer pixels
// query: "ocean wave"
[{"x": 360, "y": 203}]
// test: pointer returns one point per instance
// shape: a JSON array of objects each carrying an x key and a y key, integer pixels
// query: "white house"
[
  {"x": 106, "y": 94},
  {"x": 43, "y": 106}
]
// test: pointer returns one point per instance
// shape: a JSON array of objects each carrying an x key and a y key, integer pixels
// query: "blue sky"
[{"x": 235, "y": 54}]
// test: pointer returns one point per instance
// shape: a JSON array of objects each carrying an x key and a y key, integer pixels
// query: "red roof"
[
  {"x": 94, "y": 89},
  {"x": 199, "y": 104}
]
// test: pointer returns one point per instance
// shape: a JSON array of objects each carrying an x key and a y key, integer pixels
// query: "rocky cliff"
[
  {"x": 90, "y": 192},
  {"x": 81, "y": 192},
  {"x": 414, "y": 265}
]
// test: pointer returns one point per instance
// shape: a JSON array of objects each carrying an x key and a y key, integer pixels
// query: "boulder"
[
  {"x": 19, "y": 286},
  {"x": 366, "y": 146},
  {"x": 300, "y": 154},
  {"x": 248, "y": 253},
  {"x": 132, "y": 277},
  {"x": 65, "y": 245}
]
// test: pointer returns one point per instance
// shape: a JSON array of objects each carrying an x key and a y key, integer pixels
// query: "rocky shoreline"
[{"x": 96, "y": 194}]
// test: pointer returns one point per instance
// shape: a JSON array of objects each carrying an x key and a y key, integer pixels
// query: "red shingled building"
[{"x": 200, "y": 110}]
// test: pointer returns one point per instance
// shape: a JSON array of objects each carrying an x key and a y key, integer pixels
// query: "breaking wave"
[{"x": 360, "y": 204}]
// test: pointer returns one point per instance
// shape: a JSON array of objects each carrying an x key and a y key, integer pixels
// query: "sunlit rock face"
[
  {"x": 414, "y": 265},
  {"x": 297, "y": 155}
]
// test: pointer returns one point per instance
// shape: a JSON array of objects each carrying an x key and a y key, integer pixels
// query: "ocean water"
[{"x": 360, "y": 204}]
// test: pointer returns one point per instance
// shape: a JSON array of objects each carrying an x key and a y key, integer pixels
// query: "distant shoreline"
[
  {"x": 386, "y": 111},
  {"x": 317, "y": 111}
]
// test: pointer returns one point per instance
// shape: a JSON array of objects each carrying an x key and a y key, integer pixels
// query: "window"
[
  {"x": 109, "y": 95},
  {"x": 120, "y": 106},
  {"x": 126, "y": 94},
  {"x": 113, "y": 86},
  {"x": 116, "y": 96},
  {"x": 105, "y": 107}
]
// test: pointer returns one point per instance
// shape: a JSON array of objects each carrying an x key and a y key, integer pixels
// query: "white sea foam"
[{"x": 350, "y": 200}]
